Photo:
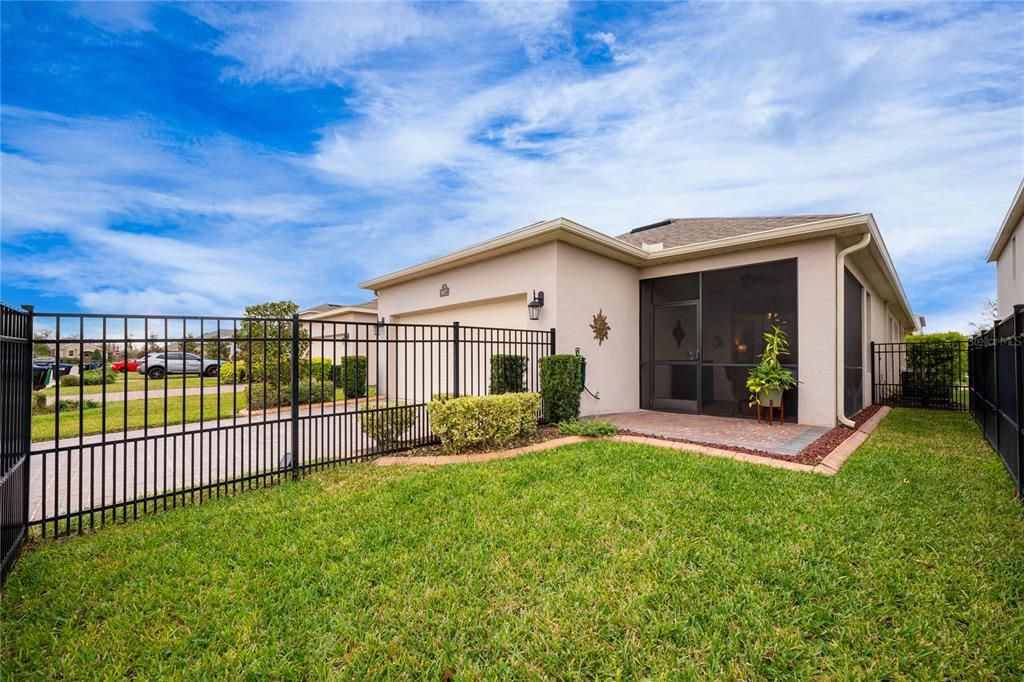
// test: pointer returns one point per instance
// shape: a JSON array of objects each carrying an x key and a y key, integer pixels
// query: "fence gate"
[
  {"x": 928, "y": 374},
  {"x": 15, "y": 430}
]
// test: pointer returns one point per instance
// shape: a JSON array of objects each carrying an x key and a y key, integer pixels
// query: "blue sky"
[{"x": 200, "y": 157}]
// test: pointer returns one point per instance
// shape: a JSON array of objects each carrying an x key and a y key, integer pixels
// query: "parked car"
[
  {"x": 158, "y": 365},
  {"x": 62, "y": 368},
  {"x": 129, "y": 365}
]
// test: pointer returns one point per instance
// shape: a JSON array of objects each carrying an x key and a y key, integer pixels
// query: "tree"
[
  {"x": 41, "y": 348},
  {"x": 190, "y": 345},
  {"x": 989, "y": 315},
  {"x": 265, "y": 339}
]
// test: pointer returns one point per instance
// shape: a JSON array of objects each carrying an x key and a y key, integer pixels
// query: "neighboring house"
[
  {"x": 1008, "y": 256},
  {"x": 687, "y": 302},
  {"x": 69, "y": 348},
  {"x": 338, "y": 331}
]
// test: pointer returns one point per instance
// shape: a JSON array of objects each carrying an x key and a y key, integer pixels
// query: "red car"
[{"x": 129, "y": 365}]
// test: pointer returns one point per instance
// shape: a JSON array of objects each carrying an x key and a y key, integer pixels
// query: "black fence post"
[
  {"x": 26, "y": 440},
  {"x": 995, "y": 382},
  {"x": 455, "y": 360},
  {"x": 874, "y": 376},
  {"x": 295, "y": 395},
  {"x": 553, "y": 341},
  {"x": 1018, "y": 391}
]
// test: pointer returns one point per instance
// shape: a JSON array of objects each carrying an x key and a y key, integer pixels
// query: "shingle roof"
[
  {"x": 685, "y": 231},
  {"x": 324, "y": 307}
]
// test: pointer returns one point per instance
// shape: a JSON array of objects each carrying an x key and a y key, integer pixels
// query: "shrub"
[
  {"x": 386, "y": 423},
  {"x": 319, "y": 368},
  {"x": 490, "y": 421},
  {"x": 508, "y": 374},
  {"x": 232, "y": 372},
  {"x": 69, "y": 380},
  {"x": 351, "y": 373},
  {"x": 560, "y": 387},
  {"x": 262, "y": 396},
  {"x": 97, "y": 377},
  {"x": 39, "y": 405},
  {"x": 587, "y": 427}
]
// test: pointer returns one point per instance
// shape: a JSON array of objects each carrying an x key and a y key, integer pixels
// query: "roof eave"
[{"x": 1010, "y": 220}]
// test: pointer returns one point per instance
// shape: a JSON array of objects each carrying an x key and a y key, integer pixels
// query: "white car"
[{"x": 158, "y": 365}]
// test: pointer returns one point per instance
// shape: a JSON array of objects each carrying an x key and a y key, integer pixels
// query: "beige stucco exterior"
[
  {"x": 342, "y": 334},
  {"x": 579, "y": 279},
  {"x": 1010, "y": 271}
]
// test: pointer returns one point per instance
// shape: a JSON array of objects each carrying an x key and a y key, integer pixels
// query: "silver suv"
[{"x": 158, "y": 365}]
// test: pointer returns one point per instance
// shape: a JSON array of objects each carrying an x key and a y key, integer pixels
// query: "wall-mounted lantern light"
[
  {"x": 535, "y": 305},
  {"x": 378, "y": 327}
]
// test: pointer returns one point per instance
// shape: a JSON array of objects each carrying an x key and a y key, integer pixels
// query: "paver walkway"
[
  {"x": 781, "y": 439},
  {"x": 71, "y": 393}
]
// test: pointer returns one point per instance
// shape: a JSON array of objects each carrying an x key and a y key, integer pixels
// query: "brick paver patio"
[{"x": 782, "y": 439}]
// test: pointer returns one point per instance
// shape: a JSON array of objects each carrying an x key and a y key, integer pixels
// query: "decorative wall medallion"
[
  {"x": 600, "y": 327},
  {"x": 679, "y": 333},
  {"x": 444, "y": 290}
]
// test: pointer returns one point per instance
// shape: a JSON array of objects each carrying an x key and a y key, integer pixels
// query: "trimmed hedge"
[
  {"x": 319, "y": 368},
  {"x": 98, "y": 377},
  {"x": 69, "y": 380},
  {"x": 388, "y": 422},
  {"x": 351, "y": 373},
  {"x": 488, "y": 421},
  {"x": 508, "y": 374},
  {"x": 232, "y": 372},
  {"x": 560, "y": 387},
  {"x": 317, "y": 392}
]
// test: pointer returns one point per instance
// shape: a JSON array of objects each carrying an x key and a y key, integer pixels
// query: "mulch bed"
[
  {"x": 812, "y": 455},
  {"x": 543, "y": 433}
]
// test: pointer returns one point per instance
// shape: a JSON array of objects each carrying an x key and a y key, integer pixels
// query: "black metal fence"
[
  {"x": 133, "y": 414},
  {"x": 15, "y": 390},
  {"x": 928, "y": 374},
  {"x": 997, "y": 388}
]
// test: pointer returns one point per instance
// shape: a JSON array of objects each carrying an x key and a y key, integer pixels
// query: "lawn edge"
[{"x": 829, "y": 466}]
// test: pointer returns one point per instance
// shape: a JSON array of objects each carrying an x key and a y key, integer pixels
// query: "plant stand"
[{"x": 771, "y": 408}]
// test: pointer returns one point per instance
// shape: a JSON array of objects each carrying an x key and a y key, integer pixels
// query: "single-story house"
[
  {"x": 681, "y": 305},
  {"x": 338, "y": 330},
  {"x": 1007, "y": 257}
]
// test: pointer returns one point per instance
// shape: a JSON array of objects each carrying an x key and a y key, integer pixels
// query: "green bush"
[
  {"x": 351, "y": 373},
  {"x": 97, "y": 377},
  {"x": 935, "y": 364},
  {"x": 263, "y": 396},
  {"x": 508, "y": 374},
  {"x": 319, "y": 368},
  {"x": 560, "y": 387},
  {"x": 39, "y": 405},
  {"x": 232, "y": 372},
  {"x": 69, "y": 380},
  {"x": 587, "y": 427},
  {"x": 387, "y": 422},
  {"x": 489, "y": 421}
]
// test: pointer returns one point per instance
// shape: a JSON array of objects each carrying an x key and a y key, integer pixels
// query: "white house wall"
[{"x": 1010, "y": 272}]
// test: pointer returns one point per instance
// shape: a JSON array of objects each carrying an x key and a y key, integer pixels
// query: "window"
[{"x": 190, "y": 356}]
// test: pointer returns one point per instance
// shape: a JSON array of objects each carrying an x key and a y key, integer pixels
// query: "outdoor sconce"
[
  {"x": 377, "y": 327},
  {"x": 535, "y": 305}
]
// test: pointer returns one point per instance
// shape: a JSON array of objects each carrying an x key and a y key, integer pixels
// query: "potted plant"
[{"x": 768, "y": 379}]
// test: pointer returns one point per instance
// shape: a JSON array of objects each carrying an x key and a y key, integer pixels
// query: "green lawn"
[
  {"x": 136, "y": 382},
  {"x": 598, "y": 560}
]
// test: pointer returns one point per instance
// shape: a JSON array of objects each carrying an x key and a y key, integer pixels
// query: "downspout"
[{"x": 840, "y": 324}]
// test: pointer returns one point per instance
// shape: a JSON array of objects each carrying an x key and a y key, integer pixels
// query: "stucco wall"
[
  {"x": 587, "y": 284},
  {"x": 576, "y": 283},
  {"x": 327, "y": 337},
  {"x": 1010, "y": 275},
  {"x": 880, "y": 325},
  {"x": 816, "y": 314}
]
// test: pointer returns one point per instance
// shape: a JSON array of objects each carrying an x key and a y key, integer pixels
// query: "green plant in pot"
[{"x": 768, "y": 379}]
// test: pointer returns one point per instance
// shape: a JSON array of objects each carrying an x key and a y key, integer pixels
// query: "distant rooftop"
[
  {"x": 324, "y": 307},
  {"x": 685, "y": 231}
]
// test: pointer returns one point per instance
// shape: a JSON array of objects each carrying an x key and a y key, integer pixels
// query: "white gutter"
[{"x": 840, "y": 324}]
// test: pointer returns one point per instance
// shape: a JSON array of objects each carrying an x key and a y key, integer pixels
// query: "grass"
[
  {"x": 43, "y": 425},
  {"x": 596, "y": 560},
  {"x": 136, "y": 382}
]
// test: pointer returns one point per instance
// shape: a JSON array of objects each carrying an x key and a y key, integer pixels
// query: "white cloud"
[
  {"x": 116, "y": 17},
  {"x": 706, "y": 110}
]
